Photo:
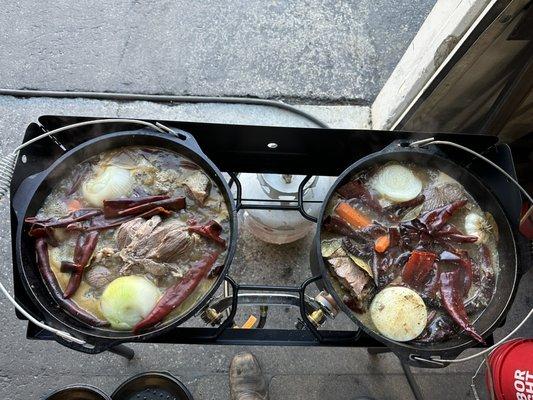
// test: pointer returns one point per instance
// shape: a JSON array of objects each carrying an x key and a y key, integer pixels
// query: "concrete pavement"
[{"x": 313, "y": 51}]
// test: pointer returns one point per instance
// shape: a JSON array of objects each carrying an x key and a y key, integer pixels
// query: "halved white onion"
[
  {"x": 127, "y": 300},
  {"x": 109, "y": 183},
  {"x": 397, "y": 183},
  {"x": 398, "y": 313}
]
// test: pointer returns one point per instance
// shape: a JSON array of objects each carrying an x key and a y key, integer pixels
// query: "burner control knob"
[
  {"x": 327, "y": 304},
  {"x": 325, "y": 307},
  {"x": 211, "y": 316}
]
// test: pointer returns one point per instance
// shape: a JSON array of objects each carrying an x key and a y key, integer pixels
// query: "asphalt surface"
[
  {"x": 313, "y": 51},
  {"x": 30, "y": 369}
]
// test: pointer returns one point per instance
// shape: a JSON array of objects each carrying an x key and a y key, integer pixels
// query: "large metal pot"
[
  {"x": 506, "y": 283},
  {"x": 33, "y": 191}
]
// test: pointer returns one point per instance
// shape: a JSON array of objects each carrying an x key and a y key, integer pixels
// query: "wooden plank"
[
  {"x": 461, "y": 99},
  {"x": 446, "y": 29}
]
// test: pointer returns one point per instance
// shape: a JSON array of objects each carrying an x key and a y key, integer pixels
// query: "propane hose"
[{"x": 164, "y": 99}]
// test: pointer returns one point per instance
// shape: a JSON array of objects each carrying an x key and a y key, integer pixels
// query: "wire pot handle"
[
  {"x": 437, "y": 360},
  {"x": 7, "y": 168},
  {"x": 429, "y": 141}
]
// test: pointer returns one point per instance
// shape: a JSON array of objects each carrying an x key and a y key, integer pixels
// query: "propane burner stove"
[{"x": 236, "y": 149}]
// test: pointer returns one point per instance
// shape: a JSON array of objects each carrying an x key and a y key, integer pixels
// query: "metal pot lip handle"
[
  {"x": 185, "y": 136},
  {"x": 395, "y": 145},
  {"x": 403, "y": 145},
  {"x": 25, "y": 192},
  {"x": 36, "y": 180},
  {"x": 432, "y": 141}
]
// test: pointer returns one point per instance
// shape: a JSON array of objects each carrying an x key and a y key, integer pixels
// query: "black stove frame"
[{"x": 245, "y": 148}]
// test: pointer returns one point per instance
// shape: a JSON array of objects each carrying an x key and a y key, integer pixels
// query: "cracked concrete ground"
[
  {"x": 30, "y": 369},
  {"x": 306, "y": 51}
]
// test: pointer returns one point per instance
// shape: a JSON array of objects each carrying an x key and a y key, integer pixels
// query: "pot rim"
[
  {"x": 408, "y": 348},
  {"x": 83, "y": 386},
  {"x": 158, "y": 374},
  {"x": 178, "y": 145}
]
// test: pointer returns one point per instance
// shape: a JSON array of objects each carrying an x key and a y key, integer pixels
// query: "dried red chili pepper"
[
  {"x": 395, "y": 211},
  {"x": 178, "y": 293},
  {"x": 74, "y": 280},
  {"x": 432, "y": 228},
  {"x": 100, "y": 223},
  {"x": 83, "y": 251},
  {"x": 173, "y": 204},
  {"x": 435, "y": 219},
  {"x": 387, "y": 266},
  {"x": 451, "y": 289},
  {"x": 211, "y": 230},
  {"x": 44, "y": 232},
  {"x": 357, "y": 190},
  {"x": 82, "y": 214},
  {"x": 112, "y": 208},
  {"x": 43, "y": 263},
  {"x": 69, "y": 266},
  {"x": 419, "y": 271},
  {"x": 450, "y": 234},
  {"x": 97, "y": 223},
  {"x": 461, "y": 258}
]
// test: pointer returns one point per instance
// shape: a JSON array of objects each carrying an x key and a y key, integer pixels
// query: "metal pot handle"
[
  {"x": 7, "y": 168},
  {"x": 186, "y": 137},
  {"x": 430, "y": 141}
]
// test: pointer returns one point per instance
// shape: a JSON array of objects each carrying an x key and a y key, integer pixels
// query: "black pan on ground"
[{"x": 152, "y": 386}]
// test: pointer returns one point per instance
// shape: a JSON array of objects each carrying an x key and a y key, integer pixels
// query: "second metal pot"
[{"x": 506, "y": 282}]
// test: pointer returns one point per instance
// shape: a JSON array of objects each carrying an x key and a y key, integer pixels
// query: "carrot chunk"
[
  {"x": 382, "y": 243},
  {"x": 354, "y": 217},
  {"x": 73, "y": 205}
]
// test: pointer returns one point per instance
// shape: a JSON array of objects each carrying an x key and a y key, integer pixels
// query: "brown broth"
[
  {"x": 155, "y": 171},
  {"x": 430, "y": 179}
]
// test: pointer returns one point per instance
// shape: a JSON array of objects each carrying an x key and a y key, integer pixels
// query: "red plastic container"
[
  {"x": 494, "y": 359},
  {"x": 496, "y": 367},
  {"x": 511, "y": 365}
]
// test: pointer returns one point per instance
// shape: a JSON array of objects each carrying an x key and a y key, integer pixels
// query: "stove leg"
[
  {"x": 377, "y": 350},
  {"x": 123, "y": 351},
  {"x": 412, "y": 382},
  {"x": 406, "y": 370}
]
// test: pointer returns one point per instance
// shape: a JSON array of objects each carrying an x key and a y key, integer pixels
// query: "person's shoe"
[{"x": 246, "y": 380}]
